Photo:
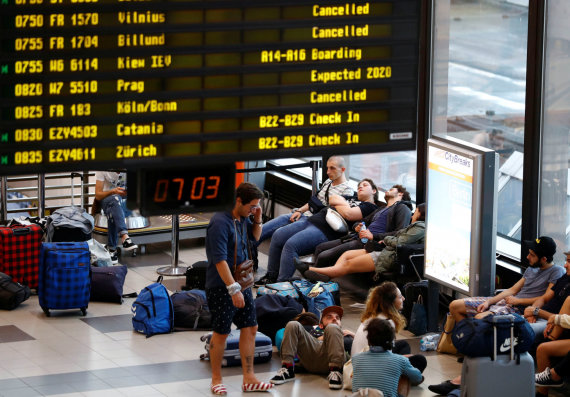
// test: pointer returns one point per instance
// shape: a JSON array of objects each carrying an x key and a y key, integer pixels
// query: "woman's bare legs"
[{"x": 353, "y": 261}]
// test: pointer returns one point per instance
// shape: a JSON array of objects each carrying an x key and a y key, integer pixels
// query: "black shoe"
[
  {"x": 114, "y": 255},
  {"x": 285, "y": 374},
  {"x": 267, "y": 279},
  {"x": 128, "y": 245},
  {"x": 301, "y": 266},
  {"x": 314, "y": 276},
  {"x": 544, "y": 379},
  {"x": 443, "y": 388}
]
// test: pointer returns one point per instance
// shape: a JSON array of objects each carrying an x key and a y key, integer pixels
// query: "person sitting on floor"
[
  {"x": 385, "y": 302},
  {"x": 321, "y": 355},
  {"x": 360, "y": 261},
  {"x": 379, "y": 368},
  {"x": 291, "y": 241}
]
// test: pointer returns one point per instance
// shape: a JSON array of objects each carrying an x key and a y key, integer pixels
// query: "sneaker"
[
  {"x": 128, "y": 245},
  {"x": 267, "y": 279},
  {"x": 114, "y": 257},
  {"x": 335, "y": 380},
  {"x": 285, "y": 374},
  {"x": 301, "y": 266},
  {"x": 544, "y": 379}
]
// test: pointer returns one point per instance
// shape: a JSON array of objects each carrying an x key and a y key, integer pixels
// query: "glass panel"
[
  {"x": 554, "y": 200},
  {"x": 479, "y": 81}
]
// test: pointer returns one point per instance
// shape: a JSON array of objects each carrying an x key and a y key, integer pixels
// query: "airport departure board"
[{"x": 92, "y": 84}]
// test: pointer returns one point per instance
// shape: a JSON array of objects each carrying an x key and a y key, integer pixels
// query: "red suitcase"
[{"x": 20, "y": 253}]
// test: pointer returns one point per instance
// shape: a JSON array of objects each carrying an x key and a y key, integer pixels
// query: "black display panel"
[
  {"x": 99, "y": 84},
  {"x": 182, "y": 190}
]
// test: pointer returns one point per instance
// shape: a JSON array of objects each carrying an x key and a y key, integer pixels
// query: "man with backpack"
[
  {"x": 226, "y": 247},
  {"x": 319, "y": 351}
]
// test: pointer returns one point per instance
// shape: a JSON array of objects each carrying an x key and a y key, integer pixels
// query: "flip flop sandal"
[
  {"x": 219, "y": 389},
  {"x": 261, "y": 386}
]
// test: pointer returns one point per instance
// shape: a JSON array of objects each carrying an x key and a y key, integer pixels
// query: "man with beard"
[{"x": 536, "y": 280}]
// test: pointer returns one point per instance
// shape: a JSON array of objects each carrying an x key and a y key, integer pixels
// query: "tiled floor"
[{"x": 100, "y": 355}]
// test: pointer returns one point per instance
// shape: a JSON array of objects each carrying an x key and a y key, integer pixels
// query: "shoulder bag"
[
  {"x": 243, "y": 272},
  {"x": 336, "y": 221},
  {"x": 315, "y": 205}
]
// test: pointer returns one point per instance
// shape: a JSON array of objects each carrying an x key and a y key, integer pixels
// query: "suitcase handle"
[{"x": 20, "y": 231}]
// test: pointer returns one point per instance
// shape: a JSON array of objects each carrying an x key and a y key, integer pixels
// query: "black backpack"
[
  {"x": 12, "y": 293},
  {"x": 196, "y": 276},
  {"x": 191, "y": 311}
]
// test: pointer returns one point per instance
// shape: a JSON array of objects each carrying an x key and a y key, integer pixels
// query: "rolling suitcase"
[
  {"x": 262, "y": 354},
  {"x": 20, "y": 253},
  {"x": 65, "y": 276},
  {"x": 501, "y": 375}
]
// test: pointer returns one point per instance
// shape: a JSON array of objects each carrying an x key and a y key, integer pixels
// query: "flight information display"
[{"x": 88, "y": 84}]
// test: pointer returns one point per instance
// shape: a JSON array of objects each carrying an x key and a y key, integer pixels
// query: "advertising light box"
[{"x": 461, "y": 216}]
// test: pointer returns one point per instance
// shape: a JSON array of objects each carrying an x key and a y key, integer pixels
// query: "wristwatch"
[{"x": 535, "y": 312}]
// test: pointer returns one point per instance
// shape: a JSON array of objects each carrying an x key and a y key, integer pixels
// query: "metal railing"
[{"x": 43, "y": 193}]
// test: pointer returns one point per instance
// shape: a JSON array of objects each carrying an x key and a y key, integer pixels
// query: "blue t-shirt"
[
  {"x": 378, "y": 224},
  {"x": 536, "y": 280},
  {"x": 220, "y": 243}
]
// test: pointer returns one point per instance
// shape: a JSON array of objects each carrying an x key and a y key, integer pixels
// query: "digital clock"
[{"x": 185, "y": 189}]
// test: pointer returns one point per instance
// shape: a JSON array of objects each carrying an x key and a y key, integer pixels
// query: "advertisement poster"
[{"x": 448, "y": 239}]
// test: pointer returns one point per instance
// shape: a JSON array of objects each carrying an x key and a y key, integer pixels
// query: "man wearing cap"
[
  {"x": 536, "y": 280},
  {"x": 321, "y": 355},
  {"x": 550, "y": 303}
]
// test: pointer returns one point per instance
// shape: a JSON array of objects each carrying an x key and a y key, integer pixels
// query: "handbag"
[
  {"x": 367, "y": 392},
  {"x": 243, "y": 272},
  {"x": 336, "y": 221},
  {"x": 445, "y": 344},
  {"x": 418, "y": 318},
  {"x": 347, "y": 375}
]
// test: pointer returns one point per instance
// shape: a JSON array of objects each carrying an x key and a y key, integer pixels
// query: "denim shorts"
[
  {"x": 501, "y": 307},
  {"x": 224, "y": 313}
]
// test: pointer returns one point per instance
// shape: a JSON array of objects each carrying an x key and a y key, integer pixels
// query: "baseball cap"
[
  {"x": 335, "y": 309},
  {"x": 542, "y": 246}
]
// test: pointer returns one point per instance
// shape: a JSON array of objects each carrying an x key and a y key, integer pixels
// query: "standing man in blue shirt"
[{"x": 226, "y": 238}]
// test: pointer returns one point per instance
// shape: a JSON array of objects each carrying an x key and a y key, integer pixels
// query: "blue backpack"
[
  {"x": 314, "y": 304},
  {"x": 153, "y": 312}
]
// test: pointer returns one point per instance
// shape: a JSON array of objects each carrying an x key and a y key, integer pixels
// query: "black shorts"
[{"x": 224, "y": 313}]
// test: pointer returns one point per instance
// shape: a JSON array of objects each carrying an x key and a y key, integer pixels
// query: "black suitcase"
[
  {"x": 196, "y": 276},
  {"x": 412, "y": 291},
  {"x": 107, "y": 283}
]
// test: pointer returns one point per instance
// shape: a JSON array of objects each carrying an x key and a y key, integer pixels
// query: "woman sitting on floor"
[
  {"x": 385, "y": 302},
  {"x": 361, "y": 261}
]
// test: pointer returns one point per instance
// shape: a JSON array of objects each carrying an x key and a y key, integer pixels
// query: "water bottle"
[
  {"x": 427, "y": 345},
  {"x": 363, "y": 239}
]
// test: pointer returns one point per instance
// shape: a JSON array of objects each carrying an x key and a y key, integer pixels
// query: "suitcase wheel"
[
  {"x": 84, "y": 311},
  {"x": 46, "y": 311}
]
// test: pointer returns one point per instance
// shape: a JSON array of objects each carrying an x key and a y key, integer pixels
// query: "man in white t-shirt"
[{"x": 110, "y": 190}]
